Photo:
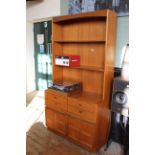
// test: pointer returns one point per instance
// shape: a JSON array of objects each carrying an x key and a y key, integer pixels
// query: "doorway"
[{"x": 43, "y": 54}]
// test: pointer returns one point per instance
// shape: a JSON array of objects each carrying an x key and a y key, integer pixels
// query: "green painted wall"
[{"x": 122, "y": 32}]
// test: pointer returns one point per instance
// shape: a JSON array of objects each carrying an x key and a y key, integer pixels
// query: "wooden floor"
[{"x": 41, "y": 141}]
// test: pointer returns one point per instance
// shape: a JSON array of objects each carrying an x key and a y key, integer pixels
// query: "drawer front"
[
  {"x": 56, "y": 102},
  {"x": 61, "y": 123},
  {"x": 56, "y": 121},
  {"x": 81, "y": 132},
  {"x": 82, "y": 105},
  {"x": 50, "y": 118},
  {"x": 82, "y": 114}
]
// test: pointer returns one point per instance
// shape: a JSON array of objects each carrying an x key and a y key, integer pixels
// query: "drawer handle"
[{"x": 80, "y": 111}]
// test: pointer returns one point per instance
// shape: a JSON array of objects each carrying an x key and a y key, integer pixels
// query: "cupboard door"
[
  {"x": 56, "y": 121},
  {"x": 50, "y": 118},
  {"x": 73, "y": 129},
  {"x": 82, "y": 132},
  {"x": 61, "y": 123}
]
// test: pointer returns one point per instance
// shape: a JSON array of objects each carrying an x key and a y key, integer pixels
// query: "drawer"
[
  {"x": 82, "y": 105},
  {"x": 56, "y": 121},
  {"x": 82, "y": 132},
  {"x": 56, "y": 102},
  {"x": 50, "y": 118},
  {"x": 82, "y": 114}
]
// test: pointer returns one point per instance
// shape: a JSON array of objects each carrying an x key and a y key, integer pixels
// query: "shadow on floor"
[{"x": 41, "y": 141}]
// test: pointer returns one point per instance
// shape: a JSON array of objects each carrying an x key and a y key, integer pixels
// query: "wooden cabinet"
[
  {"x": 81, "y": 132},
  {"x": 83, "y": 106},
  {"x": 84, "y": 116},
  {"x": 56, "y": 101},
  {"x": 56, "y": 121}
]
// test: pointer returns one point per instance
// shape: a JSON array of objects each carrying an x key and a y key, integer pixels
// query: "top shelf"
[
  {"x": 79, "y": 41},
  {"x": 99, "y": 14}
]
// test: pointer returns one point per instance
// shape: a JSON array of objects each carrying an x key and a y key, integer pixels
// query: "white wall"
[
  {"x": 122, "y": 38},
  {"x": 42, "y": 9},
  {"x": 64, "y": 7},
  {"x": 30, "y": 66},
  {"x": 36, "y": 11}
]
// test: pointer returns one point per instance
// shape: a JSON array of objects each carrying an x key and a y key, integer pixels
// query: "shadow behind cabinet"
[{"x": 83, "y": 117}]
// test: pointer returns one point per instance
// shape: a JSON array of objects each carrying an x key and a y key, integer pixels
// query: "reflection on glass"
[{"x": 42, "y": 84}]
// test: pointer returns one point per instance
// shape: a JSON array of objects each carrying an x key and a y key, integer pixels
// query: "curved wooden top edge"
[{"x": 99, "y": 13}]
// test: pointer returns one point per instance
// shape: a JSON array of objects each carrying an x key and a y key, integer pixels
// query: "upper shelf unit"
[
  {"x": 99, "y": 14},
  {"x": 83, "y": 30},
  {"x": 90, "y": 35}
]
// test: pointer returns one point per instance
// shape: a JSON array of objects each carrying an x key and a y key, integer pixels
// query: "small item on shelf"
[
  {"x": 66, "y": 86},
  {"x": 68, "y": 60}
]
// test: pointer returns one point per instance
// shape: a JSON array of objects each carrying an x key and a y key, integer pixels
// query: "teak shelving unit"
[{"x": 83, "y": 117}]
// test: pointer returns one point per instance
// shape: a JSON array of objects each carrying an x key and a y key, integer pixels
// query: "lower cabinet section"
[
  {"x": 82, "y": 132},
  {"x": 79, "y": 131},
  {"x": 56, "y": 121}
]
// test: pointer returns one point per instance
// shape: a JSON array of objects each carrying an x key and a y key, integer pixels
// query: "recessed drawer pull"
[{"x": 80, "y": 111}]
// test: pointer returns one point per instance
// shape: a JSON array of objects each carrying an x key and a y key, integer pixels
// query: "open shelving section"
[{"x": 83, "y": 117}]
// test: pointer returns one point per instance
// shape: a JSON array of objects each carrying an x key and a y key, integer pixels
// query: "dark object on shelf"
[{"x": 66, "y": 86}]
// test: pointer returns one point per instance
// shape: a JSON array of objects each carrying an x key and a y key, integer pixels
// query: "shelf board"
[
  {"x": 86, "y": 15},
  {"x": 90, "y": 68},
  {"x": 79, "y": 41}
]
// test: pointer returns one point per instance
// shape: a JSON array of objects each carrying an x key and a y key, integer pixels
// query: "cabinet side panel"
[
  {"x": 104, "y": 107},
  {"x": 56, "y": 32},
  {"x": 57, "y": 71},
  {"x": 110, "y": 40},
  {"x": 56, "y": 50},
  {"x": 104, "y": 116},
  {"x": 104, "y": 110}
]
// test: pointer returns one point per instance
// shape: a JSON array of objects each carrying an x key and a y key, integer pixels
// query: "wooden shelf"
[
  {"x": 90, "y": 68},
  {"x": 92, "y": 36},
  {"x": 88, "y": 15},
  {"x": 79, "y": 41}
]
